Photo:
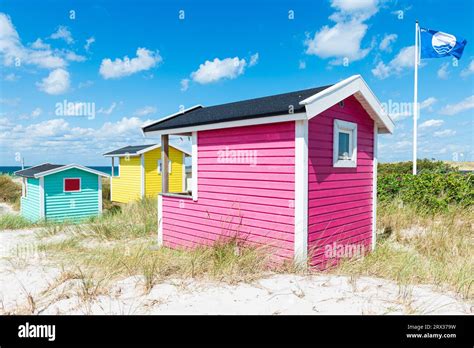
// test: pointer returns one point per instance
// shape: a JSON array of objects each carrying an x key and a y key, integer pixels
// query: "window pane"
[
  {"x": 72, "y": 185},
  {"x": 343, "y": 146}
]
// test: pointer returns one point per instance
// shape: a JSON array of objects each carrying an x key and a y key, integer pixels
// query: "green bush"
[
  {"x": 429, "y": 192},
  {"x": 423, "y": 166},
  {"x": 10, "y": 192}
]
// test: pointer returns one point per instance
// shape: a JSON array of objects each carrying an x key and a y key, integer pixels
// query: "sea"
[{"x": 105, "y": 169}]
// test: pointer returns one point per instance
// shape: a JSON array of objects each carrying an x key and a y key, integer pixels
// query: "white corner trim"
[
  {"x": 99, "y": 186},
  {"x": 374, "y": 189},
  {"x": 160, "y": 220},
  {"x": 301, "y": 192},
  {"x": 194, "y": 158},
  {"x": 354, "y": 85},
  {"x": 350, "y": 128},
  {"x": 142, "y": 173},
  {"x": 184, "y": 173},
  {"x": 42, "y": 197},
  {"x": 231, "y": 124}
]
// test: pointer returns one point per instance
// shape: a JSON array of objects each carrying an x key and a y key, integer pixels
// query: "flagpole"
[{"x": 415, "y": 99}]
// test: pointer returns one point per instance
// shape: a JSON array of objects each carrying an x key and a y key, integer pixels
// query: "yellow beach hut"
[{"x": 139, "y": 171}]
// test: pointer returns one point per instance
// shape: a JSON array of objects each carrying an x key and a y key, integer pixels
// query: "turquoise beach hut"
[{"x": 60, "y": 192}]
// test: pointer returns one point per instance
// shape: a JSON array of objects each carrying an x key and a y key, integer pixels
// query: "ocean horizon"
[{"x": 11, "y": 169}]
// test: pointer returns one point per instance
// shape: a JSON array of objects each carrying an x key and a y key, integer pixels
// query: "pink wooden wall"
[
  {"x": 340, "y": 199},
  {"x": 251, "y": 199}
]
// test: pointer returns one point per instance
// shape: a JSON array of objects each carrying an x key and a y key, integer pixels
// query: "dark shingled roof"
[
  {"x": 30, "y": 172},
  {"x": 246, "y": 109},
  {"x": 131, "y": 150}
]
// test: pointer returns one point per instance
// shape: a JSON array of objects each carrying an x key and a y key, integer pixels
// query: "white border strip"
[
  {"x": 42, "y": 203},
  {"x": 194, "y": 158},
  {"x": 160, "y": 220},
  {"x": 69, "y": 166},
  {"x": 99, "y": 186},
  {"x": 374, "y": 189},
  {"x": 301, "y": 192},
  {"x": 142, "y": 174}
]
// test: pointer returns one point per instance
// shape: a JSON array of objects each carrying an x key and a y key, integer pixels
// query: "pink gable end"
[
  {"x": 340, "y": 199},
  {"x": 246, "y": 181}
]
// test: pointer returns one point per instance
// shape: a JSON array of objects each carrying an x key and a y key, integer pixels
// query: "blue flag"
[{"x": 436, "y": 44}]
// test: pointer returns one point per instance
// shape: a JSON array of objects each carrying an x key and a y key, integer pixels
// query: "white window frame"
[
  {"x": 169, "y": 166},
  {"x": 351, "y": 129},
  {"x": 64, "y": 185}
]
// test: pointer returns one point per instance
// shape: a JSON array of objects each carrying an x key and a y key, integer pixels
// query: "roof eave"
[
  {"x": 69, "y": 166},
  {"x": 354, "y": 85}
]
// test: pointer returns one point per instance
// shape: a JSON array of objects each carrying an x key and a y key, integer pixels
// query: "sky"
[{"x": 126, "y": 63}]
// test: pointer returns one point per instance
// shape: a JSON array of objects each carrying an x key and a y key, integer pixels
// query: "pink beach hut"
[{"x": 296, "y": 172}]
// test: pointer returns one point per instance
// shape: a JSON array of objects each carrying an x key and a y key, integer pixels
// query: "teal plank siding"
[
  {"x": 30, "y": 206},
  {"x": 74, "y": 206}
]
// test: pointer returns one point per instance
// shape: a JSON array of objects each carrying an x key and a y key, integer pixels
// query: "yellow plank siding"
[
  {"x": 127, "y": 186},
  {"x": 153, "y": 179}
]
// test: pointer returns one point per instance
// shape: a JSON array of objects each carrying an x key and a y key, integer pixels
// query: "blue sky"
[{"x": 182, "y": 53}]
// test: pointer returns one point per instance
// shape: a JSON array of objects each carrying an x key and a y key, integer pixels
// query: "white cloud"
[
  {"x": 64, "y": 34},
  {"x": 109, "y": 110},
  {"x": 428, "y": 103},
  {"x": 89, "y": 42},
  {"x": 184, "y": 84},
  {"x": 72, "y": 56},
  {"x": 145, "y": 111},
  {"x": 57, "y": 82},
  {"x": 37, "y": 53},
  {"x": 359, "y": 8},
  {"x": 469, "y": 70},
  {"x": 443, "y": 72},
  {"x": 85, "y": 84},
  {"x": 301, "y": 65},
  {"x": 39, "y": 44},
  {"x": 445, "y": 133},
  {"x": 11, "y": 77},
  {"x": 453, "y": 109},
  {"x": 431, "y": 124},
  {"x": 118, "y": 68},
  {"x": 36, "y": 112},
  {"x": 344, "y": 39},
  {"x": 385, "y": 44},
  {"x": 212, "y": 71},
  {"x": 381, "y": 71},
  {"x": 253, "y": 59},
  {"x": 403, "y": 60}
]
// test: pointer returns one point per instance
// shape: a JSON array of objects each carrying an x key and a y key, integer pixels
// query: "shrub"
[
  {"x": 429, "y": 192},
  {"x": 423, "y": 166}
]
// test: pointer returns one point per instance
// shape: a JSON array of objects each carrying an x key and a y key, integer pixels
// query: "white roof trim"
[
  {"x": 69, "y": 166},
  {"x": 354, "y": 85},
  {"x": 149, "y": 148},
  {"x": 171, "y": 116},
  {"x": 230, "y": 124}
]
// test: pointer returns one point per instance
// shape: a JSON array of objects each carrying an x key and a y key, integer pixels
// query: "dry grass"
[
  {"x": 123, "y": 244},
  {"x": 418, "y": 249}
]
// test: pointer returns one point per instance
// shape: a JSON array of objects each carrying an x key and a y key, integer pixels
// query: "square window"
[
  {"x": 345, "y": 144},
  {"x": 72, "y": 185},
  {"x": 159, "y": 167}
]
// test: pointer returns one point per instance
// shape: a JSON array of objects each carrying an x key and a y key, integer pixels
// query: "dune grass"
[
  {"x": 419, "y": 248},
  {"x": 123, "y": 243},
  {"x": 10, "y": 191}
]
